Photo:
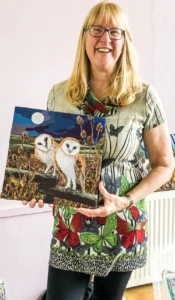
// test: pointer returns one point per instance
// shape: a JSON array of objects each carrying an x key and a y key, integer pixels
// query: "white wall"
[
  {"x": 24, "y": 253},
  {"x": 37, "y": 44}
]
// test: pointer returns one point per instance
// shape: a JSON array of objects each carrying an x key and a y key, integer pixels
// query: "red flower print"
[
  {"x": 101, "y": 220},
  {"x": 130, "y": 235},
  {"x": 73, "y": 239},
  {"x": 86, "y": 217},
  {"x": 135, "y": 212},
  {"x": 69, "y": 233},
  {"x": 127, "y": 240},
  {"x": 123, "y": 226},
  {"x": 140, "y": 235}
]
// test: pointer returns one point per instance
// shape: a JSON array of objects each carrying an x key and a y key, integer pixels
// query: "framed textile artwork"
[{"x": 54, "y": 156}]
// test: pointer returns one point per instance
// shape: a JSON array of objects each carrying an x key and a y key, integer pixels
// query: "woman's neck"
[{"x": 99, "y": 84}]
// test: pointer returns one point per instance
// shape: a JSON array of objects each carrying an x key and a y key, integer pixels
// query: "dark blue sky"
[{"x": 55, "y": 123}]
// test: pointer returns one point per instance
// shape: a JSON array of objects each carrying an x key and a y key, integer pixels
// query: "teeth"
[{"x": 104, "y": 50}]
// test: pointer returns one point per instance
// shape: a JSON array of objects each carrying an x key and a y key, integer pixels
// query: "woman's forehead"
[{"x": 105, "y": 21}]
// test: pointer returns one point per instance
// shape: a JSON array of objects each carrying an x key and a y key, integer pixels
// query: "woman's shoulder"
[
  {"x": 148, "y": 92},
  {"x": 57, "y": 99},
  {"x": 59, "y": 88}
]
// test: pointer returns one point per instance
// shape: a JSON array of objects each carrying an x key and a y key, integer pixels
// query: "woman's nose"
[{"x": 105, "y": 37}]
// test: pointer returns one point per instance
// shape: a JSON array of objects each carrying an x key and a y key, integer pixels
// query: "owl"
[
  {"x": 67, "y": 158},
  {"x": 45, "y": 147}
]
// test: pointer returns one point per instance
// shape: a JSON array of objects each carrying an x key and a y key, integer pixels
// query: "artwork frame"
[{"x": 32, "y": 172}]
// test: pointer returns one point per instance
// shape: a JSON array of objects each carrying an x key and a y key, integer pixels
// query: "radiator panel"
[{"x": 161, "y": 239}]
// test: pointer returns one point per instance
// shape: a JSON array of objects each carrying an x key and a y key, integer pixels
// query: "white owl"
[
  {"x": 66, "y": 157},
  {"x": 45, "y": 147}
]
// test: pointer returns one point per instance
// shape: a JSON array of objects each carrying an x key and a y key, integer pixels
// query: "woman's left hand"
[{"x": 112, "y": 203}]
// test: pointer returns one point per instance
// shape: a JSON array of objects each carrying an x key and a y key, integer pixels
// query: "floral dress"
[{"x": 117, "y": 242}]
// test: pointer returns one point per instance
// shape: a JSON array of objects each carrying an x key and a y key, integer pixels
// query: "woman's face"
[{"x": 103, "y": 52}]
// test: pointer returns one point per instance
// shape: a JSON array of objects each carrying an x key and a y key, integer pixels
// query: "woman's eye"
[
  {"x": 115, "y": 32},
  {"x": 97, "y": 30}
]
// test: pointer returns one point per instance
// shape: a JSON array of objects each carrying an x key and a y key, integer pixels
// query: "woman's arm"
[{"x": 158, "y": 145}]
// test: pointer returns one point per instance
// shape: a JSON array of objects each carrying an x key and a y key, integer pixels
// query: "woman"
[{"x": 105, "y": 82}]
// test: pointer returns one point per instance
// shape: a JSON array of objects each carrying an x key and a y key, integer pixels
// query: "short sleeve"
[
  {"x": 51, "y": 100},
  {"x": 154, "y": 110}
]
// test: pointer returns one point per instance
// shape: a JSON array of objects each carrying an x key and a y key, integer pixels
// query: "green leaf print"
[
  {"x": 130, "y": 217},
  {"x": 72, "y": 211},
  {"x": 141, "y": 205},
  {"x": 124, "y": 185},
  {"x": 68, "y": 212},
  {"x": 147, "y": 227},
  {"x": 55, "y": 227},
  {"x": 98, "y": 247},
  {"x": 107, "y": 235},
  {"x": 89, "y": 237},
  {"x": 110, "y": 225},
  {"x": 111, "y": 239},
  {"x": 132, "y": 185}
]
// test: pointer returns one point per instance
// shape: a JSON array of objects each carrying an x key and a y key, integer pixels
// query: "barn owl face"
[
  {"x": 70, "y": 147},
  {"x": 43, "y": 142}
]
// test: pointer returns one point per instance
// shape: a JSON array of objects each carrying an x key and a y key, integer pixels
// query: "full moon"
[{"x": 37, "y": 118}]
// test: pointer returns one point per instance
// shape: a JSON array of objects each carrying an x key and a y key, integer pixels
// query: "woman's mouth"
[{"x": 103, "y": 50}]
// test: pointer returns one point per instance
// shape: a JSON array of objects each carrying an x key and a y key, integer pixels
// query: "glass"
[{"x": 98, "y": 31}]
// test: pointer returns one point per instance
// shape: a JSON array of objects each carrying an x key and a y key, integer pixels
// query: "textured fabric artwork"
[
  {"x": 145, "y": 166},
  {"x": 2, "y": 290},
  {"x": 55, "y": 157}
]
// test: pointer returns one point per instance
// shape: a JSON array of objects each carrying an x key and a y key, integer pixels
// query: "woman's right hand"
[{"x": 33, "y": 202}]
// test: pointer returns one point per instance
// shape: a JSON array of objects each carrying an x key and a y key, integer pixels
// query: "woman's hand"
[
  {"x": 33, "y": 202},
  {"x": 112, "y": 203}
]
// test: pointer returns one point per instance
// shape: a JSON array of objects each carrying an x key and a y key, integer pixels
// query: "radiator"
[{"x": 161, "y": 239}]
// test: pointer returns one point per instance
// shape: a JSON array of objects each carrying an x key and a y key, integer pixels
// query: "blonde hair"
[{"x": 126, "y": 82}]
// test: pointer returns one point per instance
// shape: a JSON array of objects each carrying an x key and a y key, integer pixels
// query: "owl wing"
[
  {"x": 62, "y": 180},
  {"x": 80, "y": 171},
  {"x": 80, "y": 163},
  {"x": 36, "y": 153},
  {"x": 55, "y": 144},
  {"x": 54, "y": 156}
]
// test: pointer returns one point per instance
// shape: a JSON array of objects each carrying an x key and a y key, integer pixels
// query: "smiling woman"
[
  {"x": 108, "y": 242},
  {"x": 101, "y": 60},
  {"x": 103, "y": 48}
]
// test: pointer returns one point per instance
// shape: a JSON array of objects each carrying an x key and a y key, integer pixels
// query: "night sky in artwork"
[{"x": 58, "y": 125}]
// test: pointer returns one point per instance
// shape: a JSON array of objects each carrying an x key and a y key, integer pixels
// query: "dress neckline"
[{"x": 92, "y": 106}]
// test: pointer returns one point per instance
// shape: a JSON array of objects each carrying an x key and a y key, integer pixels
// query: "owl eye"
[
  {"x": 74, "y": 147},
  {"x": 67, "y": 145},
  {"x": 39, "y": 143}
]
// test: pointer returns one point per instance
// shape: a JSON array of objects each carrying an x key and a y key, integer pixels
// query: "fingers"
[
  {"x": 32, "y": 203},
  {"x": 40, "y": 203},
  {"x": 103, "y": 191},
  {"x": 24, "y": 202},
  {"x": 97, "y": 212}
]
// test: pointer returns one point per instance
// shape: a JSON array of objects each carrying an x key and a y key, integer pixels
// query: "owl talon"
[
  {"x": 75, "y": 191},
  {"x": 46, "y": 175},
  {"x": 68, "y": 188}
]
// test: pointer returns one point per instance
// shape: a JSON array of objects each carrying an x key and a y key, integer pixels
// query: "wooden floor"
[{"x": 144, "y": 292}]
